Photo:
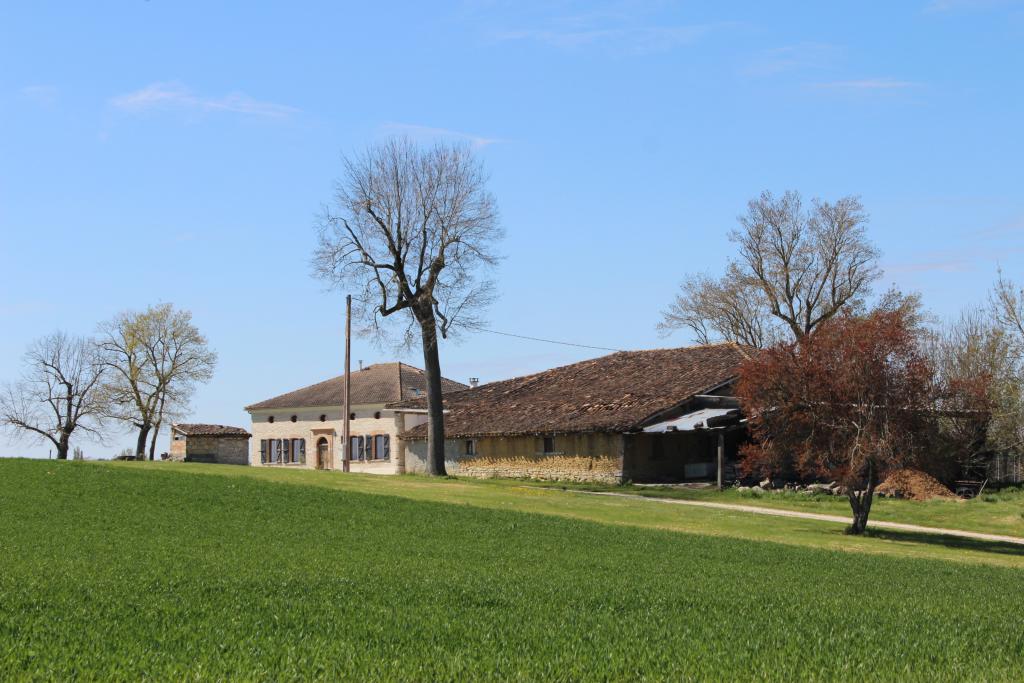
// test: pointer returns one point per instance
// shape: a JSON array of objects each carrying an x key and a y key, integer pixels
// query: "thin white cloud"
[
  {"x": 45, "y": 95},
  {"x": 953, "y": 265},
  {"x": 637, "y": 39},
  {"x": 868, "y": 84},
  {"x": 966, "y": 5},
  {"x": 172, "y": 95},
  {"x": 791, "y": 58},
  {"x": 1013, "y": 227},
  {"x": 416, "y": 131},
  {"x": 953, "y": 260}
]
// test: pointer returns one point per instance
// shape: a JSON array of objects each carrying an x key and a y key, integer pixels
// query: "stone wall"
[
  {"x": 593, "y": 457},
  {"x": 233, "y": 450},
  {"x": 177, "y": 449}
]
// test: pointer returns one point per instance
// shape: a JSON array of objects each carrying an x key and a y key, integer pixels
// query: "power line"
[
  {"x": 547, "y": 341},
  {"x": 523, "y": 336}
]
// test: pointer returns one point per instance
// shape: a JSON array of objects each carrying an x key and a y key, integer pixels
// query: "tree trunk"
[
  {"x": 860, "y": 502},
  {"x": 435, "y": 406},
  {"x": 152, "y": 442},
  {"x": 63, "y": 445},
  {"x": 140, "y": 445}
]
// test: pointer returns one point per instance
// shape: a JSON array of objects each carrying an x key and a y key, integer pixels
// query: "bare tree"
[
  {"x": 727, "y": 309},
  {"x": 59, "y": 393},
  {"x": 1007, "y": 303},
  {"x": 801, "y": 267},
  {"x": 410, "y": 230},
  {"x": 156, "y": 358},
  {"x": 1004, "y": 343},
  {"x": 979, "y": 395}
]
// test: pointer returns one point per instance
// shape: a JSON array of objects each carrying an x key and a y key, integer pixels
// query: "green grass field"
[
  {"x": 129, "y": 570},
  {"x": 994, "y": 512}
]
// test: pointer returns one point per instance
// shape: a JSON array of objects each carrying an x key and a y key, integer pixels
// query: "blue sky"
[{"x": 179, "y": 151}]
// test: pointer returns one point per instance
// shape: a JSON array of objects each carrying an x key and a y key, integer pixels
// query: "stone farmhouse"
[
  {"x": 303, "y": 428},
  {"x": 665, "y": 415},
  {"x": 209, "y": 443}
]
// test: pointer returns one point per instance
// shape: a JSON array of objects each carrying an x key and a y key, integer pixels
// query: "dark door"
[{"x": 322, "y": 453}]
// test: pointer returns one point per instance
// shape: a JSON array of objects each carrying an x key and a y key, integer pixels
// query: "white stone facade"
[{"x": 314, "y": 424}]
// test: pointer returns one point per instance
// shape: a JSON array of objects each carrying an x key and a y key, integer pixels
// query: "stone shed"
[{"x": 209, "y": 443}]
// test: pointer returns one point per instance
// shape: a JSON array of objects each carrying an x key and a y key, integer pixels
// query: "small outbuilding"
[{"x": 209, "y": 443}]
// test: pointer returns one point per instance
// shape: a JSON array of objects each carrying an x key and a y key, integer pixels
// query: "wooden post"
[
  {"x": 346, "y": 455},
  {"x": 721, "y": 457}
]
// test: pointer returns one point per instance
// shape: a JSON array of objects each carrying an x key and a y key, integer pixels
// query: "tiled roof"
[
  {"x": 379, "y": 383},
  {"x": 191, "y": 429},
  {"x": 614, "y": 393}
]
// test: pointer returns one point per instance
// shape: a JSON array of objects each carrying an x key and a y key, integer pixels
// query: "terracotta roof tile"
[
  {"x": 613, "y": 393},
  {"x": 194, "y": 429},
  {"x": 379, "y": 383}
]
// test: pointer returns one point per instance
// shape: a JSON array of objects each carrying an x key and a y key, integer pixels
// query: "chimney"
[
  {"x": 474, "y": 382},
  {"x": 360, "y": 366}
]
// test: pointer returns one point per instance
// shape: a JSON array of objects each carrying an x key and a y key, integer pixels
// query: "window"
[
  {"x": 549, "y": 445},
  {"x": 282, "y": 451},
  {"x": 351, "y": 416},
  {"x": 355, "y": 449},
  {"x": 376, "y": 416},
  {"x": 367, "y": 444},
  {"x": 381, "y": 447},
  {"x": 270, "y": 419},
  {"x": 470, "y": 447},
  {"x": 294, "y": 418},
  {"x": 323, "y": 418}
]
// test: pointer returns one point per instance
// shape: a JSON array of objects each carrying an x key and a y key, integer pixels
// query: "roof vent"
[{"x": 474, "y": 382}]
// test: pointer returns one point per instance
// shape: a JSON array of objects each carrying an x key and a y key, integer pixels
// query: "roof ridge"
[
  {"x": 376, "y": 379},
  {"x": 531, "y": 375},
  {"x": 724, "y": 342}
]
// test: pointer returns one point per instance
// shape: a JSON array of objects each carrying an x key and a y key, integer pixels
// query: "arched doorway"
[{"x": 322, "y": 453}]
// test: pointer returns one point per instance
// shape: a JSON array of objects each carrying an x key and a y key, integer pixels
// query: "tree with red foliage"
[{"x": 850, "y": 401}]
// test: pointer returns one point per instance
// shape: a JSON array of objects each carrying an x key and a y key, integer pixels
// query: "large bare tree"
[
  {"x": 155, "y": 358},
  {"x": 726, "y": 309},
  {"x": 1002, "y": 342},
  {"x": 796, "y": 268},
  {"x": 1007, "y": 304},
  {"x": 409, "y": 232},
  {"x": 59, "y": 393}
]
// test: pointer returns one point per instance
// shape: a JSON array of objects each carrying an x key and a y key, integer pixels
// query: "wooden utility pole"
[
  {"x": 346, "y": 441},
  {"x": 721, "y": 457}
]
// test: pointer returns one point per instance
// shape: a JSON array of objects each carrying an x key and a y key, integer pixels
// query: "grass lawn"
[
  {"x": 129, "y": 570},
  {"x": 994, "y": 512}
]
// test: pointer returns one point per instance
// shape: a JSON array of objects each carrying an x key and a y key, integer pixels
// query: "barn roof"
[
  {"x": 614, "y": 393},
  {"x": 195, "y": 429},
  {"x": 378, "y": 383}
]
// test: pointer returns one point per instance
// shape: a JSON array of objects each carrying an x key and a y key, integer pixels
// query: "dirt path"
[{"x": 897, "y": 526}]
